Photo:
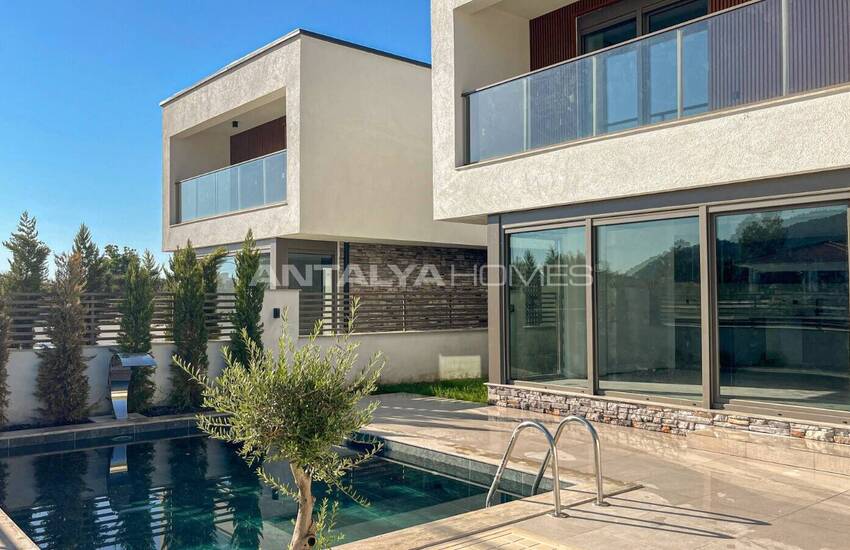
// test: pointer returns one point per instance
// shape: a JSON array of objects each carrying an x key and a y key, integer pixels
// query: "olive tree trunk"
[{"x": 304, "y": 534}]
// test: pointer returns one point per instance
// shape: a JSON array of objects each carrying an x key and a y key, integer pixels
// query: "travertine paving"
[{"x": 690, "y": 498}]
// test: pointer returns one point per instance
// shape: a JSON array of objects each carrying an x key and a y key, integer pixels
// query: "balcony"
[
  {"x": 250, "y": 184},
  {"x": 756, "y": 52}
]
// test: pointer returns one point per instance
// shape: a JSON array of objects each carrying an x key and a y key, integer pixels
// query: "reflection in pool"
[{"x": 197, "y": 493}]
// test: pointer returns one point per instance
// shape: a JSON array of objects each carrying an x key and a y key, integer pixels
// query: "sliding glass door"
[
  {"x": 782, "y": 304},
  {"x": 648, "y": 307},
  {"x": 547, "y": 319}
]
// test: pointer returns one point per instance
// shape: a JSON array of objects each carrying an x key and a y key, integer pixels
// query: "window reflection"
[
  {"x": 783, "y": 306},
  {"x": 548, "y": 327},
  {"x": 648, "y": 307}
]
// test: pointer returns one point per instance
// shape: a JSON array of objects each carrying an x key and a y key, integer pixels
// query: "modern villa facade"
[
  {"x": 323, "y": 149},
  {"x": 665, "y": 188}
]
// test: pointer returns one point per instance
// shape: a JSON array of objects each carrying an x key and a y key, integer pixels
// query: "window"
[
  {"x": 782, "y": 290},
  {"x": 227, "y": 273},
  {"x": 609, "y": 36},
  {"x": 629, "y": 19},
  {"x": 547, "y": 304},
  {"x": 648, "y": 307}
]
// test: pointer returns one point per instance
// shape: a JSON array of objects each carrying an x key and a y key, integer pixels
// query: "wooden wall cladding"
[{"x": 261, "y": 140}]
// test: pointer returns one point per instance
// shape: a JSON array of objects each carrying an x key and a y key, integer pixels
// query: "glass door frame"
[{"x": 707, "y": 213}]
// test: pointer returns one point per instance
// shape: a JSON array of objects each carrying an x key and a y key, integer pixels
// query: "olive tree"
[{"x": 296, "y": 408}]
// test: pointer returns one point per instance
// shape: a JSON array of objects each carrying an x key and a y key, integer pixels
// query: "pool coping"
[
  {"x": 12, "y": 536},
  {"x": 78, "y": 436}
]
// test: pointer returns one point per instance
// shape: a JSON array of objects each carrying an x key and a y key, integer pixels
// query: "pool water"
[{"x": 196, "y": 493}]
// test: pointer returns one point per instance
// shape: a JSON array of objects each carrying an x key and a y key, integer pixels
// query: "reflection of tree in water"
[
  {"x": 189, "y": 506},
  {"x": 135, "y": 530},
  {"x": 69, "y": 515},
  {"x": 244, "y": 503}
]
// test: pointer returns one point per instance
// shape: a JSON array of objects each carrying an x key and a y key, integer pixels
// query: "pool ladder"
[{"x": 551, "y": 454}]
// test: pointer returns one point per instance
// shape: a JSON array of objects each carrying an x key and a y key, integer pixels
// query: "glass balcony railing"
[
  {"x": 253, "y": 183},
  {"x": 759, "y": 51}
]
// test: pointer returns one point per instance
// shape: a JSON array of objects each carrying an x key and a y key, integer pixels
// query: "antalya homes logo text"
[{"x": 432, "y": 275}]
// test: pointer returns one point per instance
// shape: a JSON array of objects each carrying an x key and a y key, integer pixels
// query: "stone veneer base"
[{"x": 672, "y": 419}]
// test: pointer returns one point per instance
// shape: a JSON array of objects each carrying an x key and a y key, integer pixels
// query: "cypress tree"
[
  {"x": 62, "y": 386},
  {"x": 28, "y": 266},
  {"x": 185, "y": 282},
  {"x": 134, "y": 335},
  {"x": 94, "y": 263},
  {"x": 249, "y": 302}
]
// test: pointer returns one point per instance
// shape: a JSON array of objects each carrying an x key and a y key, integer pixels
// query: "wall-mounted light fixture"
[{"x": 235, "y": 124}]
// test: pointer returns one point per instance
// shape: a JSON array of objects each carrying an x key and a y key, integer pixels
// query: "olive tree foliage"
[{"x": 295, "y": 408}]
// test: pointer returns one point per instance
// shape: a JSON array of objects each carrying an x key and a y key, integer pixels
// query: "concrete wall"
[
  {"x": 792, "y": 136},
  {"x": 425, "y": 356}
]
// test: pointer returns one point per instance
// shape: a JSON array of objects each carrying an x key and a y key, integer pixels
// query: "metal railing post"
[
  {"x": 597, "y": 457},
  {"x": 680, "y": 73},
  {"x": 785, "y": 48}
]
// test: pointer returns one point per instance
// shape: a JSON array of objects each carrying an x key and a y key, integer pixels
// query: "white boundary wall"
[{"x": 410, "y": 356}]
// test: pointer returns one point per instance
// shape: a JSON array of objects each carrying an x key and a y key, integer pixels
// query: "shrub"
[
  {"x": 295, "y": 408},
  {"x": 62, "y": 386},
  {"x": 28, "y": 266},
  {"x": 94, "y": 264},
  {"x": 249, "y": 302},
  {"x": 134, "y": 335},
  {"x": 185, "y": 281}
]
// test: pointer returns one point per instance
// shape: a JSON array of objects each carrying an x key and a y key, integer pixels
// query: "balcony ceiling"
[{"x": 529, "y": 9}]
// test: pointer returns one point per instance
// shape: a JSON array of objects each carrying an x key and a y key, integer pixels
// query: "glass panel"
[
  {"x": 188, "y": 200},
  {"x": 547, "y": 307},
  {"x": 648, "y": 308},
  {"x": 782, "y": 290},
  {"x": 274, "y": 175},
  {"x": 253, "y": 183},
  {"x": 227, "y": 273},
  {"x": 618, "y": 89},
  {"x": 560, "y": 103},
  {"x": 695, "y": 69},
  {"x": 497, "y": 121},
  {"x": 729, "y": 59},
  {"x": 206, "y": 195},
  {"x": 674, "y": 15},
  {"x": 745, "y": 55},
  {"x": 661, "y": 77},
  {"x": 250, "y": 184},
  {"x": 818, "y": 44},
  {"x": 609, "y": 36},
  {"x": 227, "y": 198}
]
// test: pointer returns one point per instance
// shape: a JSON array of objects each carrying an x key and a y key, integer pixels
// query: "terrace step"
[{"x": 820, "y": 456}]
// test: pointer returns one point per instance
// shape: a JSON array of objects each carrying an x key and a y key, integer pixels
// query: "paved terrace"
[{"x": 688, "y": 498}]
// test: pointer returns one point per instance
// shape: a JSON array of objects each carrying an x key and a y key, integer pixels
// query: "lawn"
[{"x": 466, "y": 389}]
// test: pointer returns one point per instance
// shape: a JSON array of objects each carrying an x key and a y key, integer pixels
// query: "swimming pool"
[{"x": 192, "y": 492}]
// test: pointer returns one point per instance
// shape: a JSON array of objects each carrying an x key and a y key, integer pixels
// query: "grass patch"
[{"x": 465, "y": 389}]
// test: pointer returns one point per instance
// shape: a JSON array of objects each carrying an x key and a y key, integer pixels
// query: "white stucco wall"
[
  {"x": 410, "y": 356},
  {"x": 269, "y": 77},
  {"x": 793, "y": 136},
  {"x": 359, "y": 163}
]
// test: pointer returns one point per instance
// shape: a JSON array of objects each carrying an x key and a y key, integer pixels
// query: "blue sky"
[{"x": 81, "y": 82}]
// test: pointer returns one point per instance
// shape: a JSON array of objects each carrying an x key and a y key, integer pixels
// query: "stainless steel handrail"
[
  {"x": 553, "y": 453},
  {"x": 597, "y": 457}
]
